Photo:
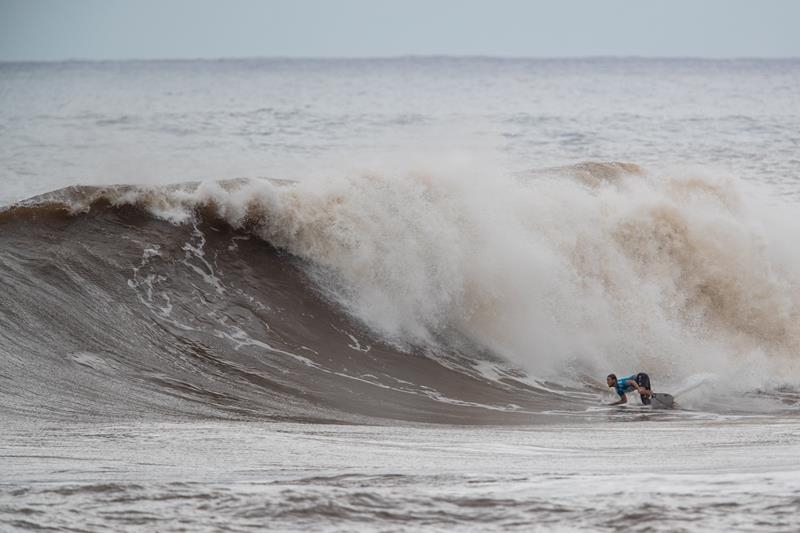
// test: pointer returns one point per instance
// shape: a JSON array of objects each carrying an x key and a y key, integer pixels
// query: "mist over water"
[{"x": 198, "y": 255}]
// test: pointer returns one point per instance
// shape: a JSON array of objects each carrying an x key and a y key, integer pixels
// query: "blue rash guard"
[{"x": 624, "y": 385}]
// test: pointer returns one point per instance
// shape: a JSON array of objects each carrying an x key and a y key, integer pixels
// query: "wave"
[{"x": 429, "y": 297}]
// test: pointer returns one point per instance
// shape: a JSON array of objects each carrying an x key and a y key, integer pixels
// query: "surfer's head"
[{"x": 611, "y": 380}]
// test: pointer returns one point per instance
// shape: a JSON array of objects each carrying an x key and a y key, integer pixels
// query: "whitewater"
[{"x": 384, "y": 294}]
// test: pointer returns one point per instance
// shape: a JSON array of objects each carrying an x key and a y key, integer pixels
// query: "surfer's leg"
[{"x": 643, "y": 380}]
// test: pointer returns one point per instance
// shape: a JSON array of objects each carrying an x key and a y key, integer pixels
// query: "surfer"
[{"x": 639, "y": 382}]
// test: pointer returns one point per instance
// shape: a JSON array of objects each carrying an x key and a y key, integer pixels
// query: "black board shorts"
[{"x": 643, "y": 380}]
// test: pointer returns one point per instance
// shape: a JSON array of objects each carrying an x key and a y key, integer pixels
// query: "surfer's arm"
[{"x": 622, "y": 399}]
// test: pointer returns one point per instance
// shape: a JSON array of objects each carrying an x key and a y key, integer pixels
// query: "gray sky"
[{"x": 117, "y": 29}]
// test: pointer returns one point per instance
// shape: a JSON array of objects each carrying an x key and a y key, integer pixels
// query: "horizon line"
[{"x": 399, "y": 57}]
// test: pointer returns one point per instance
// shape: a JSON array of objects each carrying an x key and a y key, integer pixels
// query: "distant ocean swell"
[{"x": 429, "y": 297}]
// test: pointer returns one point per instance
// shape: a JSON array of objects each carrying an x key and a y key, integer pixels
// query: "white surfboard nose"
[{"x": 662, "y": 400}]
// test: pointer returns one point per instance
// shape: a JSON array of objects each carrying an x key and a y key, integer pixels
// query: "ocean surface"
[{"x": 383, "y": 295}]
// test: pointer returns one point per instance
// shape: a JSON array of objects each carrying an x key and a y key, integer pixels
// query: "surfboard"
[{"x": 662, "y": 400}]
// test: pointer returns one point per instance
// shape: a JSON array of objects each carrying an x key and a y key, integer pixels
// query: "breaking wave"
[{"x": 431, "y": 297}]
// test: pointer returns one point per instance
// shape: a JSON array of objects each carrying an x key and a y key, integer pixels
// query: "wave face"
[
  {"x": 443, "y": 297},
  {"x": 116, "y": 313}
]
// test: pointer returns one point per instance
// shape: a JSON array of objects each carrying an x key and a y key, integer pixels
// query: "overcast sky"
[{"x": 117, "y": 29}]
